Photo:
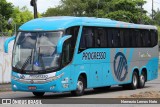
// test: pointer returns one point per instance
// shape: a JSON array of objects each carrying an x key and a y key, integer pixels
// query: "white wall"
[{"x": 5, "y": 61}]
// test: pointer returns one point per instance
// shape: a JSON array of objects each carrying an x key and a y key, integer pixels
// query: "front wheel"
[
  {"x": 80, "y": 87},
  {"x": 38, "y": 94}
]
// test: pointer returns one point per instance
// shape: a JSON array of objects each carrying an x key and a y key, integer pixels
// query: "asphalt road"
[{"x": 113, "y": 92}]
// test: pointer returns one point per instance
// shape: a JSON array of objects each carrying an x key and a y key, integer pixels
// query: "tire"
[
  {"x": 134, "y": 83},
  {"x": 38, "y": 94},
  {"x": 80, "y": 87},
  {"x": 142, "y": 80}
]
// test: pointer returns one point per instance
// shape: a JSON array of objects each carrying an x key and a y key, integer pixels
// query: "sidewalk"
[{"x": 5, "y": 87}]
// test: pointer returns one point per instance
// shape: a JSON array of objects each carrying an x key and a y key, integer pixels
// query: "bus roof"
[{"x": 63, "y": 22}]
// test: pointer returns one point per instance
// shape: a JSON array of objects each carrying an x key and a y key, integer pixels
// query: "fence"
[{"x": 5, "y": 61}]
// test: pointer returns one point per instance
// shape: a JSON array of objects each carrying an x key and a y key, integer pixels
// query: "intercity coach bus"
[{"x": 60, "y": 54}]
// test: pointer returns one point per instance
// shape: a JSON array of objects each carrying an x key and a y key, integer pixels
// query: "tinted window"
[
  {"x": 95, "y": 37},
  {"x": 100, "y": 37},
  {"x": 86, "y": 38},
  {"x": 154, "y": 38}
]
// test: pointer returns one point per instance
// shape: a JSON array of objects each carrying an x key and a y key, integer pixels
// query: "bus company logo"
[
  {"x": 120, "y": 66},
  {"x": 22, "y": 76}
]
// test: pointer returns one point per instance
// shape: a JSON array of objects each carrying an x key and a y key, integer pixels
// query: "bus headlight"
[
  {"x": 55, "y": 77},
  {"x": 14, "y": 78}
]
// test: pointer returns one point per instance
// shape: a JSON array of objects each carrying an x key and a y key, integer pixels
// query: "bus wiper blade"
[
  {"x": 25, "y": 63},
  {"x": 27, "y": 60}
]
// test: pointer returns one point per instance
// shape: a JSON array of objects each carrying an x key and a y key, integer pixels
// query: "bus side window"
[
  {"x": 133, "y": 38},
  {"x": 154, "y": 38},
  {"x": 116, "y": 38},
  {"x": 103, "y": 38},
  {"x": 138, "y": 38},
  {"x": 86, "y": 39},
  {"x": 100, "y": 37},
  {"x": 147, "y": 39},
  {"x": 126, "y": 38},
  {"x": 121, "y": 35},
  {"x": 109, "y": 38}
]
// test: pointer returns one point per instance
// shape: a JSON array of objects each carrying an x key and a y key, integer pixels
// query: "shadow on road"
[{"x": 87, "y": 93}]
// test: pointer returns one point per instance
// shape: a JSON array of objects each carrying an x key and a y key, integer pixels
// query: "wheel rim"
[
  {"x": 142, "y": 79},
  {"x": 80, "y": 86},
  {"x": 134, "y": 80}
]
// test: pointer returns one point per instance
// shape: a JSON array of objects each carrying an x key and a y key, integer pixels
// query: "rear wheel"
[
  {"x": 38, "y": 94},
  {"x": 134, "y": 84},
  {"x": 80, "y": 87},
  {"x": 142, "y": 80}
]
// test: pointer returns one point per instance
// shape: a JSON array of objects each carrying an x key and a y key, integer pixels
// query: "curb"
[{"x": 5, "y": 87}]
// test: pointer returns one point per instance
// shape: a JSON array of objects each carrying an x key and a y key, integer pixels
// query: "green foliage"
[
  {"x": 158, "y": 27},
  {"x": 123, "y": 10},
  {"x": 157, "y": 17},
  {"x": 120, "y": 15},
  {"x": 22, "y": 15},
  {"x": 6, "y": 9}
]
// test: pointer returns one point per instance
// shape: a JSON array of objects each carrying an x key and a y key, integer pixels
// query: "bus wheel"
[
  {"x": 80, "y": 87},
  {"x": 38, "y": 94},
  {"x": 142, "y": 80},
  {"x": 134, "y": 83}
]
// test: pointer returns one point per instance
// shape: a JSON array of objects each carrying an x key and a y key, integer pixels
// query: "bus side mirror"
[
  {"x": 6, "y": 43},
  {"x": 60, "y": 43}
]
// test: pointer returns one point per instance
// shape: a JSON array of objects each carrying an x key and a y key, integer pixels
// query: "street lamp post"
[
  {"x": 10, "y": 21},
  {"x": 34, "y": 4}
]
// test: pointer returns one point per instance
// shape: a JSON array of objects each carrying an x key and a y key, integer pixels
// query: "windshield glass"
[{"x": 36, "y": 51}]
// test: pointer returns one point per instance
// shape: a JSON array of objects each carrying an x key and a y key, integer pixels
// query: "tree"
[
  {"x": 22, "y": 15},
  {"x": 79, "y": 8},
  {"x": 157, "y": 17},
  {"x": 128, "y": 11},
  {"x": 6, "y": 10},
  {"x": 122, "y": 10}
]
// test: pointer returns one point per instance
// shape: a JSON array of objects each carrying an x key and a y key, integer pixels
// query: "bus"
[{"x": 71, "y": 54}]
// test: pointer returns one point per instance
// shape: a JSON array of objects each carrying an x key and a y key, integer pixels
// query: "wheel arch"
[{"x": 135, "y": 69}]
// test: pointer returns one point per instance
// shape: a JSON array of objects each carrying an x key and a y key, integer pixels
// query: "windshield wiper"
[
  {"x": 42, "y": 62},
  {"x": 27, "y": 60}
]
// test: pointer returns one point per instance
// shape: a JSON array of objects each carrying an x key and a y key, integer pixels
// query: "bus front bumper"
[{"x": 45, "y": 87}]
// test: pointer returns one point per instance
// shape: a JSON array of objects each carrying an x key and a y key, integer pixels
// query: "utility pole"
[
  {"x": 152, "y": 9},
  {"x": 97, "y": 7},
  {"x": 141, "y": 14},
  {"x": 34, "y": 5}
]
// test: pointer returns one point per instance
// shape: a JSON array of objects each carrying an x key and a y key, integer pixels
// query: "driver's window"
[{"x": 66, "y": 53}]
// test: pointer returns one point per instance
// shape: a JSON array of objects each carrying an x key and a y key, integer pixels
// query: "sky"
[{"x": 42, "y": 5}]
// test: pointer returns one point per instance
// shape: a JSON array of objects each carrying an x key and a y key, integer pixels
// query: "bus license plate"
[{"x": 32, "y": 87}]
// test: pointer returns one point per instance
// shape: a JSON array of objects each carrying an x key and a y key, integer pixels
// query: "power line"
[{"x": 152, "y": 8}]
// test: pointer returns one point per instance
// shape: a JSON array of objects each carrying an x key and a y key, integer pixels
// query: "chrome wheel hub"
[
  {"x": 80, "y": 86},
  {"x": 142, "y": 78},
  {"x": 134, "y": 80}
]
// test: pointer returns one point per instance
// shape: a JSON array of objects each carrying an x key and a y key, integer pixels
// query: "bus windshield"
[{"x": 36, "y": 51}]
